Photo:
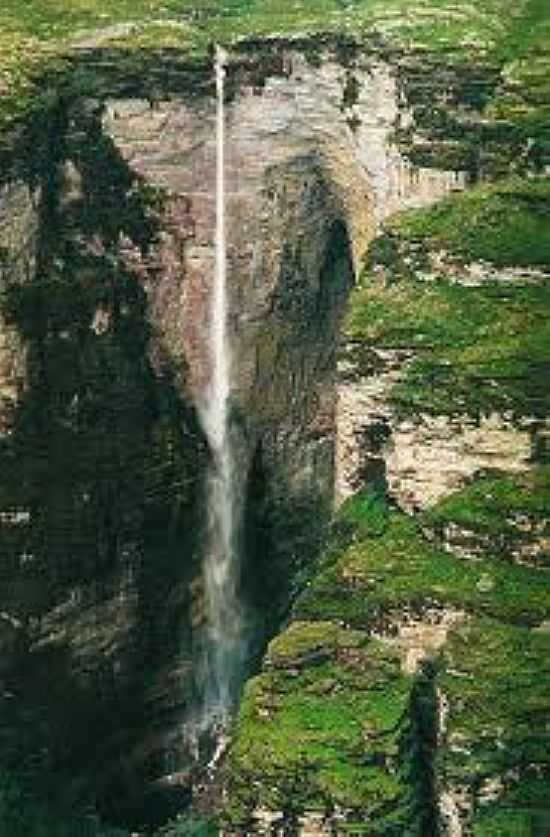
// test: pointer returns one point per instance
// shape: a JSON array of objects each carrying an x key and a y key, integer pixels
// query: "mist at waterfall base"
[{"x": 222, "y": 645}]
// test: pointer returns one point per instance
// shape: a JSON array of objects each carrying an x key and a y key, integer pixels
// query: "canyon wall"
[
  {"x": 404, "y": 695},
  {"x": 311, "y": 171},
  {"x": 107, "y": 251},
  {"x": 101, "y": 480},
  {"x": 107, "y": 224}
]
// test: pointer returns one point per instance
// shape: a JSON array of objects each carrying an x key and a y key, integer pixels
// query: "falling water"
[{"x": 223, "y": 646}]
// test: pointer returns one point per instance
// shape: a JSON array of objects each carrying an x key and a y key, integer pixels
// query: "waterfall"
[{"x": 222, "y": 651}]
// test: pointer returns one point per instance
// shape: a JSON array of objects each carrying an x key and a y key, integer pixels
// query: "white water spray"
[{"x": 223, "y": 647}]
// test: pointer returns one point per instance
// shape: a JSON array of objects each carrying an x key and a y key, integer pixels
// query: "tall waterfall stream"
[{"x": 223, "y": 646}]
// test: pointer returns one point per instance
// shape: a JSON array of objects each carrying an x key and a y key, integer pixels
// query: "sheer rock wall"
[{"x": 107, "y": 257}]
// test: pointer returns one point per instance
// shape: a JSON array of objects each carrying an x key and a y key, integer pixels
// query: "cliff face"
[
  {"x": 106, "y": 237},
  {"x": 380, "y": 709},
  {"x": 100, "y": 478},
  {"x": 19, "y": 242},
  {"x": 311, "y": 170},
  {"x": 107, "y": 255}
]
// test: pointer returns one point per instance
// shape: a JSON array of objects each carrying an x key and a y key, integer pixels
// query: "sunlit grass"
[
  {"x": 305, "y": 737},
  {"x": 478, "y": 349},
  {"x": 33, "y": 31}
]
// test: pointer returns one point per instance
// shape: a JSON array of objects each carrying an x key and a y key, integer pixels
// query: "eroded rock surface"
[
  {"x": 310, "y": 175},
  {"x": 19, "y": 221},
  {"x": 311, "y": 171},
  {"x": 419, "y": 459}
]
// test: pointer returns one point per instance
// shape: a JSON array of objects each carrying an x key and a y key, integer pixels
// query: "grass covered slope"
[
  {"x": 505, "y": 223},
  {"x": 439, "y": 20},
  {"x": 478, "y": 710},
  {"x": 524, "y": 99},
  {"x": 464, "y": 287},
  {"x": 37, "y": 34},
  {"x": 386, "y": 566},
  {"x": 323, "y": 726},
  {"x": 334, "y": 722},
  {"x": 507, "y": 516},
  {"x": 495, "y": 681},
  {"x": 480, "y": 337}
]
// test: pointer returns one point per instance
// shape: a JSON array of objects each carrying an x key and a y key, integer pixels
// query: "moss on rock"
[
  {"x": 521, "y": 811},
  {"x": 37, "y": 36},
  {"x": 501, "y": 511},
  {"x": 494, "y": 684},
  {"x": 333, "y": 720},
  {"x": 505, "y": 223},
  {"x": 385, "y": 572},
  {"x": 480, "y": 335},
  {"x": 323, "y": 727}
]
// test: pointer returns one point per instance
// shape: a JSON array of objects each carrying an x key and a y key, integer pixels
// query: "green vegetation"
[
  {"x": 398, "y": 569},
  {"x": 37, "y": 34},
  {"x": 524, "y": 100},
  {"x": 379, "y": 572},
  {"x": 477, "y": 348},
  {"x": 443, "y": 22},
  {"x": 323, "y": 726},
  {"x": 35, "y": 40},
  {"x": 495, "y": 681},
  {"x": 502, "y": 366},
  {"x": 505, "y": 223},
  {"x": 505, "y": 511},
  {"x": 522, "y": 811},
  {"x": 495, "y": 678},
  {"x": 363, "y": 515},
  {"x": 307, "y": 641},
  {"x": 332, "y": 719},
  {"x": 501, "y": 822}
]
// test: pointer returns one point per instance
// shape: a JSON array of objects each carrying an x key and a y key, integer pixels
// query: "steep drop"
[{"x": 223, "y": 643}]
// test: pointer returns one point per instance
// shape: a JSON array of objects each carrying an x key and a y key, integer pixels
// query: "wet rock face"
[{"x": 19, "y": 220}]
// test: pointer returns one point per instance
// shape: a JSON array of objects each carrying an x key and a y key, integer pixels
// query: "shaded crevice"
[
  {"x": 418, "y": 751},
  {"x": 283, "y": 536},
  {"x": 285, "y": 522}
]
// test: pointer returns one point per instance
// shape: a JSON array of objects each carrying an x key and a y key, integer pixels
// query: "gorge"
[{"x": 274, "y": 356}]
